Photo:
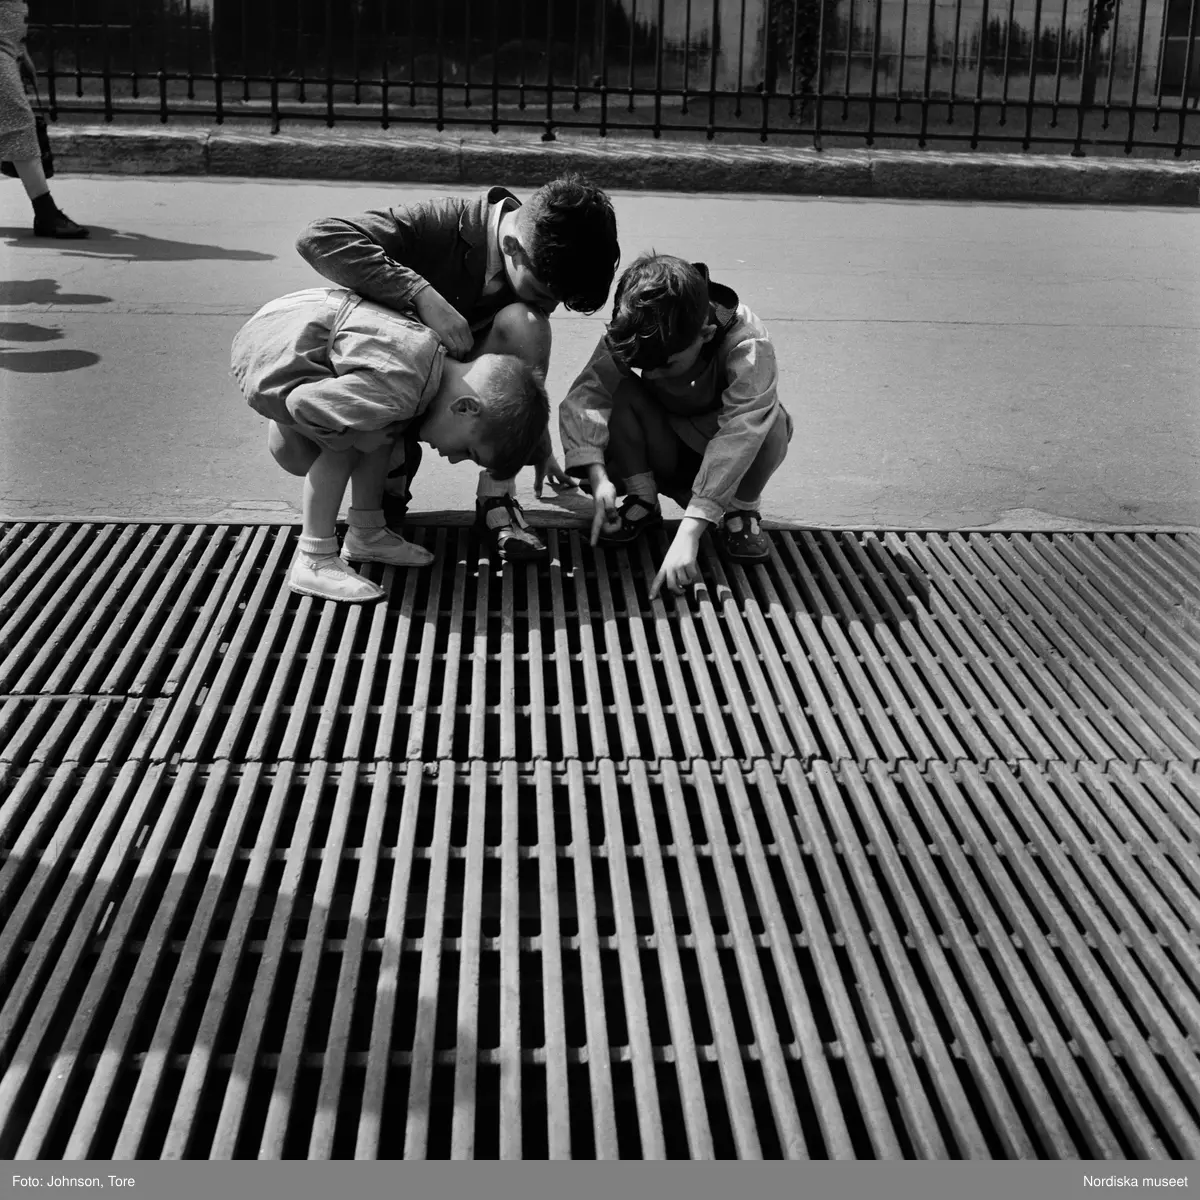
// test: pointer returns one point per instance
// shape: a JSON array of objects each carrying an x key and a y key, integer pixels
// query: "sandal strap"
[
  {"x": 652, "y": 510},
  {"x": 508, "y": 501}
]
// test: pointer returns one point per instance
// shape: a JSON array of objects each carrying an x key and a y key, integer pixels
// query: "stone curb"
[{"x": 418, "y": 157}]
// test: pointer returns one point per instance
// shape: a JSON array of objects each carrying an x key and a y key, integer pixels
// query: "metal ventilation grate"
[{"x": 887, "y": 848}]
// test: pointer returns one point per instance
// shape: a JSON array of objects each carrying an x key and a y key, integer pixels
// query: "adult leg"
[
  {"x": 18, "y": 135},
  {"x": 525, "y": 332}
]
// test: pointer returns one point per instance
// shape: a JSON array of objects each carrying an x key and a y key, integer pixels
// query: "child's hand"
[
  {"x": 438, "y": 314},
  {"x": 604, "y": 509},
  {"x": 559, "y": 479},
  {"x": 680, "y": 568}
]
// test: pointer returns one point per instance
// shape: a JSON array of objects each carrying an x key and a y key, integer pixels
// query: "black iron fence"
[{"x": 1088, "y": 75}]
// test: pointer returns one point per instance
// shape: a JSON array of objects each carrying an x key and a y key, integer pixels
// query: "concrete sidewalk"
[{"x": 421, "y": 155}]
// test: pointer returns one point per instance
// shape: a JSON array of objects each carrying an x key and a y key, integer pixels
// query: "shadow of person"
[
  {"x": 17, "y": 331},
  {"x": 39, "y": 362},
  {"x": 45, "y": 362},
  {"x": 43, "y": 291},
  {"x": 118, "y": 245}
]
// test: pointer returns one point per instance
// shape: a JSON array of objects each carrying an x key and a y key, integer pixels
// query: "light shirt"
[{"x": 496, "y": 279}]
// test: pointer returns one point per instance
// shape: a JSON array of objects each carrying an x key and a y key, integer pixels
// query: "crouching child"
[
  {"x": 680, "y": 399},
  {"x": 340, "y": 381}
]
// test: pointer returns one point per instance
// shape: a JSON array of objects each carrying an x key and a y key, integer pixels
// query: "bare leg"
[
  {"x": 324, "y": 487},
  {"x": 290, "y": 449},
  {"x": 366, "y": 480},
  {"x": 317, "y": 570},
  {"x": 369, "y": 539}
]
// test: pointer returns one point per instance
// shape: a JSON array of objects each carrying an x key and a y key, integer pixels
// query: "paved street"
[{"x": 948, "y": 365}]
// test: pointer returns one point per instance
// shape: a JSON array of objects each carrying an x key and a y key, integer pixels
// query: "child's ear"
[
  {"x": 511, "y": 245},
  {"x": 708, "y": 332},
  {"x": 466, "y": 405}
]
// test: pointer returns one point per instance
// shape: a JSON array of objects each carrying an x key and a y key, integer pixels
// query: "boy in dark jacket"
[{"x": 484, "y": 274}]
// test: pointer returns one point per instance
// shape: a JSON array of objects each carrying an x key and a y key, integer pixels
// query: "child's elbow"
[{"x": 310, "y": 243}]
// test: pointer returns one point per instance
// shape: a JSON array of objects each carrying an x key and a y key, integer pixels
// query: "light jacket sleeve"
[
  {"x": 368, "y": 253},
  {"x": 583, "y": 415},
  {"x": 749, "y": 408}
]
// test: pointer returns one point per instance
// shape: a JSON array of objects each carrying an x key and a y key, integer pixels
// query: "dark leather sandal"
[
  {"x": 748, "y": 544},
  {"x": 631, "y": 527},
  {"x": 514, "y": 541}
]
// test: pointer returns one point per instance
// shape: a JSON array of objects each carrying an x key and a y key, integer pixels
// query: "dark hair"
[
  {"x": 514, "y": 411},
  {"x": 660, "y": 307},
  {"x": 570, "y": 235}
]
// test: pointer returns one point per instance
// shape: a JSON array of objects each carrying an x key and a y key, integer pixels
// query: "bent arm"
[
  {"x": 748, "y": 410},
  {"x": 366, "y": 254},
  {"x": 584, "y": 413}
]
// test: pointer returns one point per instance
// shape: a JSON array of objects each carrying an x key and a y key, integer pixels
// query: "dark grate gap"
[
  {"x": 489, "y": 1001},
  {"x": 720, "y": 1125},
  {"x": 764, "y": 1116},
  {"x": 302, "y": 1113},
  {"x": 254, "y": 1113},
  {"x": 575, "y": 1018},
  {"x": 656, "y": 1004},
  {"x": 629, "y": 1135},
  {"x": 743, "y": 1026},
  {"x": 697, "y": 1006},
  {"x": 670, "y": 1100},
  {"x": 579, "y": 1102},
  {"x": 441, "y": 1111},
  {"x": 614, "y": 999}
]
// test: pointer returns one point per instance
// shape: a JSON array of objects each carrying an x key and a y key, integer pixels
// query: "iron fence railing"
[{"x": 1085, "y": 74}]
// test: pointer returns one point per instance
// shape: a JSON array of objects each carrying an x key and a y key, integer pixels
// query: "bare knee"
[
  {"x": 521, "y": 330},
  {"x": 290, "y": 449}
]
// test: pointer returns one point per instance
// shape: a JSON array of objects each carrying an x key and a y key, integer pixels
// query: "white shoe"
[
  {"x": 383, "y": 546},
  {"x": 328, "y": 578}
]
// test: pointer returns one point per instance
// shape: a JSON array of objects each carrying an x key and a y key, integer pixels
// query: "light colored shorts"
[{"x": 335, "y": 366}]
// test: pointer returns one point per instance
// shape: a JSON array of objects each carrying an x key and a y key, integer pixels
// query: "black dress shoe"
[{"x": 58, "y": 225}]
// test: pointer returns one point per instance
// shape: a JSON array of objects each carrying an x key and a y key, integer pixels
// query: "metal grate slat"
[{"x": 885, "y": 847}]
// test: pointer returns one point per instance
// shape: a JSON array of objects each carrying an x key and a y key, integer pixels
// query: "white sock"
[
  {"x": 363, "y": 520},
  {"x": 370, "y": 525},
  {"x": 643, "y": 487},
  {"x": 318, "y": 547}
]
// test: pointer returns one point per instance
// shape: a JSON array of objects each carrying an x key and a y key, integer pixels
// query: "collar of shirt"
[{"x": 495, "y": 280}]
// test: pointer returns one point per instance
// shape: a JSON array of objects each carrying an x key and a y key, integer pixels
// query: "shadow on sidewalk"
[
  {"x": 138, "y": 247},
  {"x": 43, "y": 291},
  {"x": 40, "y": 362}
]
